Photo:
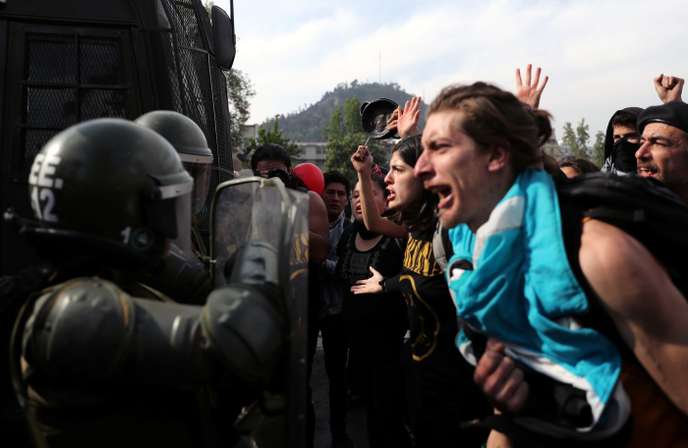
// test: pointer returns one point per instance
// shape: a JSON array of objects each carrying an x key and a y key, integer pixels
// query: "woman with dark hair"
[
  {"x": 548, "y": 287},
  {"x": 376, "y": 323},
  {"x": 443, "y": 393}
]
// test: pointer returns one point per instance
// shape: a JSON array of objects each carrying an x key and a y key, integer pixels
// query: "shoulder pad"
[{"x": 59, "y": 336}]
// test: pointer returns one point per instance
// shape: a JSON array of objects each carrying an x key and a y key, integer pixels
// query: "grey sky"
[{"x": 600, "y": 55}]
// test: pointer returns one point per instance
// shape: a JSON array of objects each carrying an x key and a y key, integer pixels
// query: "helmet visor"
[{"x": 201, "y": 175}]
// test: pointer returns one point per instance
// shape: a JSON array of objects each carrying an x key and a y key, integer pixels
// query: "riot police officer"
[
  {"x": 94, "y": 363},
  {"x": 182, "y": 272}
]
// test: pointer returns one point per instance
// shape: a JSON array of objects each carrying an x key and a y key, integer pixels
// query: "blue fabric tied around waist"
[{"x": 521, "y": 286}]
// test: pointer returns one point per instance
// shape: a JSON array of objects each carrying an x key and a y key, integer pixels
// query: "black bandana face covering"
[{"x": 624, "y": 156}]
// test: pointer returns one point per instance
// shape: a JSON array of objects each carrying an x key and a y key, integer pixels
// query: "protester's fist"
[
  {"x": 669, "y": 88},
  {"x": 500, "y": 378},
  {"x": 407, "y": 124},
  {"x": 361, "y": 160},
  {"x": 530, "y": 92}
]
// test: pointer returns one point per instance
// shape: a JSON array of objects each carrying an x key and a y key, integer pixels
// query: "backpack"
[{"x": 643, "y": 208}]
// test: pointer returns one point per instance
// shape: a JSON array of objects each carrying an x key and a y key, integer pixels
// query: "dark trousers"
[
  {"x": 443, "y": 398},
  {"x": 335, "y": 347},
  {"x": 378, "y": 349}
]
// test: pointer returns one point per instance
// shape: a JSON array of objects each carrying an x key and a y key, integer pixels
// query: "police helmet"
[
  {"x": 108, "y": 183},
  {"x": 191, "y": 145}
]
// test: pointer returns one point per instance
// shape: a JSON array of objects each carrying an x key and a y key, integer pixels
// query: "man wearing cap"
[
  {"x": 663, "y": 153},
  {"x": 622, "y": 138}
]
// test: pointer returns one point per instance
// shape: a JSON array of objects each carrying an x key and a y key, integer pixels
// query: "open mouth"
[
  {"x": 445, "y": 196},
  {"x": 391, "y": 195},
  {"x": 647, "y": 171}
]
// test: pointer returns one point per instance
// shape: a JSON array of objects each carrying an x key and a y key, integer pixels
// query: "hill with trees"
[{"x": 310, "y": 123}]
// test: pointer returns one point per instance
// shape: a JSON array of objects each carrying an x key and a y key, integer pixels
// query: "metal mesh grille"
[
  {"x": 57, "y": 56},
  {"x": 68, "y": 79},
  {"x": 100, "y": 62},
  {"x": 185, "y": 23},
  {"x": 197, "y": 90},
  {"x": 192, "y": 93},
  {"x": 175, "y": 79},
  {"x": 222, "y": 123},
  {"x": 201, "y": 96},
  {"x": 102, "y": 103},
  {"x": 192, "y": 89},
  {"x": 54, "y": 108},
  {"x": 192, "y": 85},
  {"x": 34, "y": 140}
]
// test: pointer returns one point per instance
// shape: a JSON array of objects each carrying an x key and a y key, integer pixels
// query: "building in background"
[
  {"x": 313, "y": 152},
  {"x": 249, "y": 131}
]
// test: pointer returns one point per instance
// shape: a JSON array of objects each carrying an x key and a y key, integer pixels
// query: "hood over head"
[{"x": 610, "y": 155}]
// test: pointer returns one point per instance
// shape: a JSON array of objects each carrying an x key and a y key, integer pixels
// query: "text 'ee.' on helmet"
[
  {"x": 191, "y": 144},
  {"x": 110, "y": 183}
]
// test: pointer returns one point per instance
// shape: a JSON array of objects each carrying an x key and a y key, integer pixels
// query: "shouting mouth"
[
  {"x": 647, "y": 171},
  {"x": 446, "y": 199}
]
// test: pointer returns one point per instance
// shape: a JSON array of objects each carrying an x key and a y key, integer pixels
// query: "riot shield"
[{"x": 258, "y": 209}]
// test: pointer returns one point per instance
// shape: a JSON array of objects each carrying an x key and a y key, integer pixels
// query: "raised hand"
[
  {"x": 409, "y": 116},
  {"x": 362, "y": 160},
  {"x": 370, "y": 285},
  {"x": 393, "y": 119},
  {"x": 529, "y": 92},
  {"x": 669, "y": 88}
]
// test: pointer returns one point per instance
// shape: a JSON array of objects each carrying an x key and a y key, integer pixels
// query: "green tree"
[
  {"x": 598, "y": 149},
  {"x": 344, "y": 133},
  {"x": 577, "y": 141},
  {"x": 272, "y": 134},
  {"x": 583, "y": 137},
  {"x": 569, "y": 139},
  {"x": 239, "y": 92}
]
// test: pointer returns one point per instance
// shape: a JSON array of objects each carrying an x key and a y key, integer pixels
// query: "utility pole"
[{"x": 379, "y": 65}]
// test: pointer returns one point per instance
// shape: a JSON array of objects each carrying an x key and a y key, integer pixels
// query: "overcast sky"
[{"x": 600, "y": 55}]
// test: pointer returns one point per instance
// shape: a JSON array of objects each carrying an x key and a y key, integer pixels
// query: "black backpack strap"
[{"x": 614, "y": 215}]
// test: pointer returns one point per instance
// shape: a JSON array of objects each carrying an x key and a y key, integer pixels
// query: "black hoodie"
[{"x": 610, "y": 164}]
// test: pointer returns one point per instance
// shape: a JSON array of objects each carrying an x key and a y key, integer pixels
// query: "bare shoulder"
[
  {"x": 627, "y": 278},
  {"x": 608, "y": 254},
  {"x": 317, "y": 214},
  {"x": 648, "y": 310},
  {"x": 315, "y": 201}
]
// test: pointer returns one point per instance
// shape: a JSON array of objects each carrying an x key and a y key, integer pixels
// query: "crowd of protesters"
[
  {"x": 469, "y": 308},
  {"x": 479, "y": 293}
]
